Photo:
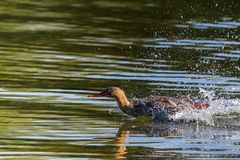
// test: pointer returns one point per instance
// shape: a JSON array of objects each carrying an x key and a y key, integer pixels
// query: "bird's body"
[
  {"x": 156, "y": 107},
  {"x": 159, "y": 108}
]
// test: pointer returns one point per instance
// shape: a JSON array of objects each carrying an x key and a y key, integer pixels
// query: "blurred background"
[{"x": 54, "y": 53}]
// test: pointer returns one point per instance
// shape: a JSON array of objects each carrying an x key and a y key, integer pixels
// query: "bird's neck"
[{"x": 123, "y": 101}]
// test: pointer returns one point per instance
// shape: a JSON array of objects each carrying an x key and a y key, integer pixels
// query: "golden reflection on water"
[{"x": 122, "y": 148}]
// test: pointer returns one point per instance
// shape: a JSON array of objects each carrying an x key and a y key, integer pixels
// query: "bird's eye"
[{"x": 107, "y": 90}]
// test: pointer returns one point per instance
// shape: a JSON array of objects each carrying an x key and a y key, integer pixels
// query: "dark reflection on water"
[
  {"x": 55, "y": 53},
  {"x": 179, "y": 140}
]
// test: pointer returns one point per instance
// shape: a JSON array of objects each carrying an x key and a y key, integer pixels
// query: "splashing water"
[{"x": 225, "y": 108}]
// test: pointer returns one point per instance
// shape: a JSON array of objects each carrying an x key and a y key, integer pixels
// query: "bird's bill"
[{"x": 101, "y": 94}]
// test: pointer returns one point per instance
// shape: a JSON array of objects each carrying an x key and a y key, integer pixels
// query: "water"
[{"x": 56, "y": 53}]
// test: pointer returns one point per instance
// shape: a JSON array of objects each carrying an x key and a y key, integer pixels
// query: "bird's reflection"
[
  {"x": 137, "y": 134},
  {"x": 148, "y": 129}
]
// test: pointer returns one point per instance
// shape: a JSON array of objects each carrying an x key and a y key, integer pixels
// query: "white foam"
[{"x": 218, "y": 107}]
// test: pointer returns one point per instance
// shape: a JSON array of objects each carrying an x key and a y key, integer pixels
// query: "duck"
[{"x": 159, "y": 108}]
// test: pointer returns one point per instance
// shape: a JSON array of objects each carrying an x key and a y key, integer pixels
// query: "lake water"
[{"x": 56, "y": 53}]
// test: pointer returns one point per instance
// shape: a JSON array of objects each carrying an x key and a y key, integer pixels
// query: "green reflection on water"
[{"x": 55, "y": 53}]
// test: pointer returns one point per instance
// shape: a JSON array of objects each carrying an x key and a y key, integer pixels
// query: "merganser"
[{"x": 159, "y": 108}]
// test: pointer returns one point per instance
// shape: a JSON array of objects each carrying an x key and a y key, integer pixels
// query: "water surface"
[{"x": 55, "y": 53}]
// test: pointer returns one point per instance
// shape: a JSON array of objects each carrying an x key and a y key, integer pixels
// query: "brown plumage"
[{"x": 158, "y": 107}]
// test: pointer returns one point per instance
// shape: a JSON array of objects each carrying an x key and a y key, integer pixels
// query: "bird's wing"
[{"x": 170, "y": 104}]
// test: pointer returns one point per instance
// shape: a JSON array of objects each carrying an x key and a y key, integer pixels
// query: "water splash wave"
[{"x": 219, "y": 110}]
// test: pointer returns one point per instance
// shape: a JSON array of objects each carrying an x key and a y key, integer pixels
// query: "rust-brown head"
[
  {"x": 109, "y": 92},
  {"x": 118, "y": 94}
]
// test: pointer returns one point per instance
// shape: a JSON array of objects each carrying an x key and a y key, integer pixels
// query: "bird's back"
[{"x": 158, "y": 107}]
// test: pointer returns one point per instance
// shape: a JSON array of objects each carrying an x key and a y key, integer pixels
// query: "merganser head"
[
  {"x": 118, "y": 94},
  {"x": 110, "y": 92}
]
